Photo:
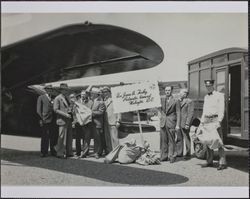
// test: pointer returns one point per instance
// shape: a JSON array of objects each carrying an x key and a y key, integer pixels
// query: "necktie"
[{"x": 211, "y": 93}]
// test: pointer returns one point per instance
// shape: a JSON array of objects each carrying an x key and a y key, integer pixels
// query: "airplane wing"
[{"x": 76, "y": 51}]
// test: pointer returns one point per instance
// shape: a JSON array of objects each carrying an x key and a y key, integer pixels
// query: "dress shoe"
[
  {"x": 53, "y": 153},
  {"x": 83, "y": 156},
  {"x": 186, "y": 157},
  {"x": 207, "y": 165},
  {"x": 97, "y": 156},
  {"x": 163, "y": 159},
  {"x": 43, "y": 155},
  {"x": 221, "y": 167},
  {"x": 62, "y": 156},
  {"x": 77, "y": 154}
]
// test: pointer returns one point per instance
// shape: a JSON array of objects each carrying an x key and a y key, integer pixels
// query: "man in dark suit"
[
  {"x": 61, "y": 108},
  {"x": 83, "y": 132},
  {"x": 98, "y": 109},
  {"x": 187, "y": 112},
  {"x": 169, "y": 123},
  {"x": 45, "y": 111}
]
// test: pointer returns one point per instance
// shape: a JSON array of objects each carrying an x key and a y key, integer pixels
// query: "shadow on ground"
[
  {"x": 236, "y": 159},
  {"x": 112, "y": 173}
]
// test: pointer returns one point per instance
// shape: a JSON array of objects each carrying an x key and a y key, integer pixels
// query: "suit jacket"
[
  {"x": 170, "y": 113},
  {"x": 98, "y": 109},
  {"x": 110, "y": 117},
  {"x": 61, "y": 108},
  {"x": 187, "y": 112},
  {"x": 45, "y": 108}
]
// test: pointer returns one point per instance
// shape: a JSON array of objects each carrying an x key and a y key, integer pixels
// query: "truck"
[{"x": 229, "y": 69}]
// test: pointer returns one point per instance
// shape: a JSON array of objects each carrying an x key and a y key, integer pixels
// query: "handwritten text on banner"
[{"x": 134, "y": 97}]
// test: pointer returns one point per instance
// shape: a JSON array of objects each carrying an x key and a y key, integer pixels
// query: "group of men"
[
  {"x": 90, "y": 116},
  {"x": 176, "y": 115}
]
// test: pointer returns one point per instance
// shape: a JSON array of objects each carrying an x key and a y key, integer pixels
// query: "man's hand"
[
  {"x": 117, "y": 124},
  {"x": 218, "y": 125},
  {"x": 177, "y": 128},
  {"x": 186, "y": 126},
  {"x": 67, "y": 116},
  {"x": 40, "y": 123}
]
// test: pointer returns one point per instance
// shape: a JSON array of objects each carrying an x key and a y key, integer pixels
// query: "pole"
[{"x": 139, "y": 121}]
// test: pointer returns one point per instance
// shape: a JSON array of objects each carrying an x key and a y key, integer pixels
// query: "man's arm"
[
  {"x": 39, "y": 107},
  {"x": 56, "y": 108},
  {"x": 100, "y": 111},
  {"x": 221, "y": 107},
  {"x": 190, "y": 113},
  {"x": 203, "y": 111},
  {"x": 178, "y": 113}
]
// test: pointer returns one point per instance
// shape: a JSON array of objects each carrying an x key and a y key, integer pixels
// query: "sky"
[{"x": 182, "y": 36}]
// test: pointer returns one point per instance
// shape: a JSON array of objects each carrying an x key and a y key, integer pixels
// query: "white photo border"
[{"x": 125, "y": 7}]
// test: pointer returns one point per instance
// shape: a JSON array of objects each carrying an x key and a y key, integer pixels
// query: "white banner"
[{"x": 137, "y": 96}]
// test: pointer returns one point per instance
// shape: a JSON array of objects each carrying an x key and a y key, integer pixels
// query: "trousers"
[
  {"x": 221, "y": 153},
  {"x": 61, "y": 142},
  {"x": 48, "y": 139},
  {"x": 167, "y": 144},
  {"x": 187, "y": 142},
  {"x": 83, "y": 133},
  {"x": 111, "y": 137}
]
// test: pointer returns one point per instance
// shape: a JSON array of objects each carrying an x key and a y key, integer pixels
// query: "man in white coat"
[{"x": 212, "y": 116}]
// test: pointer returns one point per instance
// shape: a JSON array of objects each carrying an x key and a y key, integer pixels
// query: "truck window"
[
  {"x": 204, "y": 74},
  {"x": 220, "y": 59},
  {"x": 194, "y": 66},
  {"x": 220, "y": 77},
  {"x": 194, "y": 85},
  {"x": 220, "y": 81},
  {"x": 233, "y": 56},
  {"x": 205, "y": 63}
]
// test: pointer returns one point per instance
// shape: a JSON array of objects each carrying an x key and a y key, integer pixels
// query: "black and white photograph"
[{"x": 124, "y": 99}]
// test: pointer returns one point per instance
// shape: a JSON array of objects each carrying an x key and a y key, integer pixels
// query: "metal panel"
[
  {"x": 223, "y": 87},
  {"x": 244, "y": 99}
]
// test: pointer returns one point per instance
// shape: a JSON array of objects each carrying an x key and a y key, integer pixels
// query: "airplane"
[{"x": 66, "y": 53}]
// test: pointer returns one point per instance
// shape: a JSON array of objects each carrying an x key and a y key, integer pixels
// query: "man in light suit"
[
  {"x": 98, "y": 110},
  {"x": 187, "y": 112},
  {"x": 61, "y": 108},
  {"x": 45, "y": 111},
  {"x": 111, "y": 121},
  {"x": 169, "y": 123}
]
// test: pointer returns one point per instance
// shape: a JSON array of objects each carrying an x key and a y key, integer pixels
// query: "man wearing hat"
[
  {"x": 111, "y": 121},
  {"x": 45, "y": 111},
  {"x": 187, "y": 112},
  {"x": 212, "y": 116},
  {"x": 98, "y": 110},
  {"x": 61, "y": 108}
]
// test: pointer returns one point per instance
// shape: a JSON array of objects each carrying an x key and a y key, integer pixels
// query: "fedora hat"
[
  {"x": 49, "y": 86},
  {"x": 64, "y": 86},
  {"x": 95, "y": 90},
  {"x": 106, "y": 88}
]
